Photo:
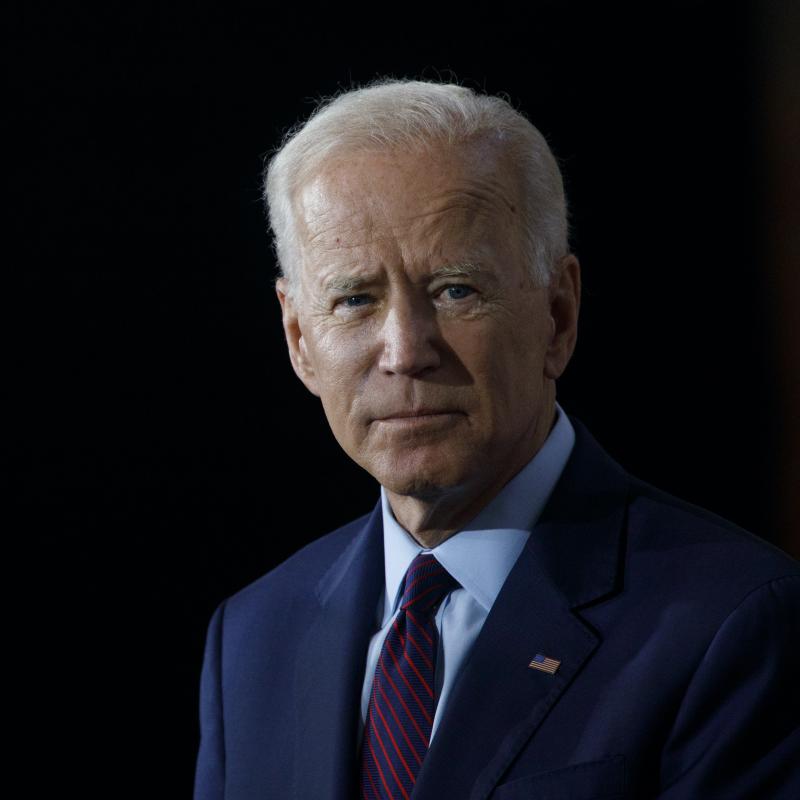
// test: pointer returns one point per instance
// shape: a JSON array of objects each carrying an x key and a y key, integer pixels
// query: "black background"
[{"x": 163, "y": 448}]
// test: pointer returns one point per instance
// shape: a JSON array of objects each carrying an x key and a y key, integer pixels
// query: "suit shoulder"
[
  {"x": 299, "y": 574},
  {"x": 684, "y": 537}
]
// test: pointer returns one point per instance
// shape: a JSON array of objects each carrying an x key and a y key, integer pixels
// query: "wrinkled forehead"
[{"x": 359, "y": 196}]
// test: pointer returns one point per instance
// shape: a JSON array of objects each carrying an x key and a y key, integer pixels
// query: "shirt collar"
[{"x": 482, "y": 553}]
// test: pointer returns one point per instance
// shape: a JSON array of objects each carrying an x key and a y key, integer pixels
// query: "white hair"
[{"x": 416, "y": 115}]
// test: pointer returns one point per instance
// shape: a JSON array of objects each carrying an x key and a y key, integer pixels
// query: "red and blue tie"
[{"x": 402, "y": 702}]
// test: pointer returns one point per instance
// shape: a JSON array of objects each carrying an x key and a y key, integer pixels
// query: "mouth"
[{"x": 419, "y": 416}]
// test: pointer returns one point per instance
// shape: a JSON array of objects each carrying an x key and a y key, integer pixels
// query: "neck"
[{"x": 432, "y": 520}]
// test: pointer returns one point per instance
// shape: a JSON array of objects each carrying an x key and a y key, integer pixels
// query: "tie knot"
[{"x": 426, "y": 583}]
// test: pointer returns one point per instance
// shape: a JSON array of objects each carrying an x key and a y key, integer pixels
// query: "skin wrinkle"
[
  {"x": 484, "y": 195},
  {"x": 348, "y": 284},
  {"x": 432, "y": 217},
  {"x": 387, "y": 228},
  {"x": 432, "y": 231},
  {"x": 474, "y": 193}
]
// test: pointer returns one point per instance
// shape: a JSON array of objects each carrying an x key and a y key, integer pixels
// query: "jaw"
[{"x": 419, "y": 458}]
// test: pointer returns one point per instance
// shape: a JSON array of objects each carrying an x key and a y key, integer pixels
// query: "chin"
[
  {"x": 420, "y": 488},
  {"x": 420, "y": 482}
]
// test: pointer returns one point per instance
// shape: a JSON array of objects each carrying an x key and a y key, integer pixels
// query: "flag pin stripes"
[{"x": 545, "y": 664}]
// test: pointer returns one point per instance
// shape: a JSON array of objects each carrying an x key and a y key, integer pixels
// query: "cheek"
[
  {"x": 516, "y": 370},
  {"x": 331, "y": 353},
  {"x": 341, "y": 362},
  {"x": 496, "y": 353}
]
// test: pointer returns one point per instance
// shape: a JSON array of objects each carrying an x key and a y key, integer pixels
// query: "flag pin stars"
[{"x": 545, "y": 664}]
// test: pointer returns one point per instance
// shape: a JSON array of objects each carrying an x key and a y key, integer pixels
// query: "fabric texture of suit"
[{"x": 677, "y": 634}]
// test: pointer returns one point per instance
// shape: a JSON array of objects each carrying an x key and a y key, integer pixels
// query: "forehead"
[{"x": 467, "y": 195}]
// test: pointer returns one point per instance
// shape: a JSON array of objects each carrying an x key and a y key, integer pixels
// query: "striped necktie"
[{"x": 402, "y": 703}]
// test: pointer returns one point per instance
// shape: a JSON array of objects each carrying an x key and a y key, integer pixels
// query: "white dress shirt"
[{"x": 480, "y": 557}]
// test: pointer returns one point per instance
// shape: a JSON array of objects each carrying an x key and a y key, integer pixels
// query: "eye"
[
  {"x": 354, "y": 300},
  {"x": 458, "y": 291}
]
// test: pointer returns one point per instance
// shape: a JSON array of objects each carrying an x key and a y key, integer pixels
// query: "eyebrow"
[
  {"x": 463, "y": 270},
  {"x": 342, "y": 283}
]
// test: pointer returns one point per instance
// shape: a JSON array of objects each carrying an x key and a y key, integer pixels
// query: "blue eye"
[
  {"x": 459, "y": 291},
  {"x": 359, "y": 300}
]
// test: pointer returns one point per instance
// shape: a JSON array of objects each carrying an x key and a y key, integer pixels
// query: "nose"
[{"x": 410, "y": 334}]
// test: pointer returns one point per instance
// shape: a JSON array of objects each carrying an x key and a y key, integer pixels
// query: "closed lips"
[{"x": 421, "y": 413}]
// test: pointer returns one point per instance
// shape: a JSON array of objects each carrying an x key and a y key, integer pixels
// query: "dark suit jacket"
[{"x": 677, "y": 633}]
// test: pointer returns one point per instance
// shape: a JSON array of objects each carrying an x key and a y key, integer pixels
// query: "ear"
[
  {"x": 564, "y": 295},
  {"x": 292, "y": 328}
]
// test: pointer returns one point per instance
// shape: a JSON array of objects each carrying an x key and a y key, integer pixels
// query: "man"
[{"x": 517, "y": 616}]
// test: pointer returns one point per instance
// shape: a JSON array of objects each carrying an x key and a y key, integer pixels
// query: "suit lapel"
[
  {"x": 329, "y": 671},
  {"x": 572, "y": 559}
]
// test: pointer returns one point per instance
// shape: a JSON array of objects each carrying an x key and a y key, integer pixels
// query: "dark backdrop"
[{"x": 163, "y": 449}]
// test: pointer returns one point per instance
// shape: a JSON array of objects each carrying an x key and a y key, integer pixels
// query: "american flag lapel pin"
[{"x": 545, "y": 664}]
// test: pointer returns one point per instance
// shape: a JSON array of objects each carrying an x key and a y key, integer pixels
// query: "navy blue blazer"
[{"x": 677, "y": 632}]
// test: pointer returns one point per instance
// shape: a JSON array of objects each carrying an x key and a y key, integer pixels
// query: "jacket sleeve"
[
  {"x": 737, "y": 732},
  {"x": 209, "y": 781}
]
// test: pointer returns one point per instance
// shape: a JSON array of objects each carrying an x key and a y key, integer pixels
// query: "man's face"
[{"x": 416, "y": 322}]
